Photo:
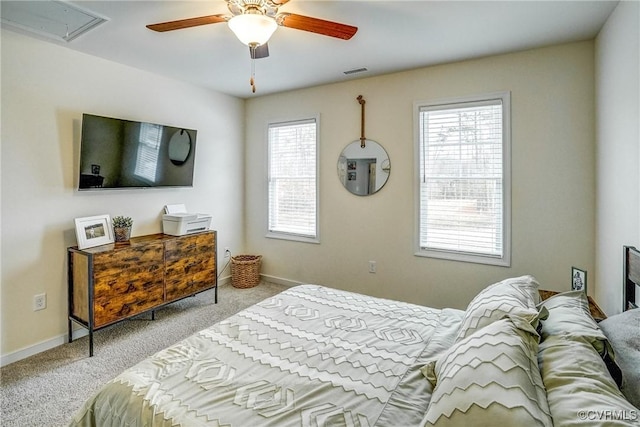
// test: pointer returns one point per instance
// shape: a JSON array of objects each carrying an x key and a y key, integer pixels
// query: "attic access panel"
[{"x": 50, "y": 18}]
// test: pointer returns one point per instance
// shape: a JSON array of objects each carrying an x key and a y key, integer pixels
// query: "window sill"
[
  {"x": 292, "y": 237},
  {"x": 462, "y": 257}
]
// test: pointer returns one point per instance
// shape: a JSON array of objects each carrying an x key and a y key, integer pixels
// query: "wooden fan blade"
[
  {"x": 258, "y": 52},
  {"x": 315, "y": 25},
  {"x": 187, "y": 23}
]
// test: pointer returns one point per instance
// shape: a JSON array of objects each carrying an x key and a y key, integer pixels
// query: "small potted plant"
[{"x": 122, "y": 228}]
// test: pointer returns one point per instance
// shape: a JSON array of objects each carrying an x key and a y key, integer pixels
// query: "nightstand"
[{"x": 596, "y": 312}]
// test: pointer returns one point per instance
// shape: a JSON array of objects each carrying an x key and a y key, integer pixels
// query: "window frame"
[
  {"x": 453, "y": 255},
  {"x": 282, "y": 234}
]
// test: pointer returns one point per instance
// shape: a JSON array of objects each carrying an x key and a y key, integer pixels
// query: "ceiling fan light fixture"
[{"x": 253, "y": 29}]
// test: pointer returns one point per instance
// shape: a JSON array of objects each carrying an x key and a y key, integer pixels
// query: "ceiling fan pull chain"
[
  {"x": 252, "y": 81},
  {"x": 253, "y": 75}
]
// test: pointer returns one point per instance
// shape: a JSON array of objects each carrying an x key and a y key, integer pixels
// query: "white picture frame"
[{"x": 94, "y": 231}]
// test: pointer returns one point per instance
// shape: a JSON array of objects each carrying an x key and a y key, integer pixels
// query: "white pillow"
[
  {"x": 518, "y": 295},
  {"x": 489, "y": 378},
  {"x": 580, "y": 390},
  {"x": 569, "y": 315}
]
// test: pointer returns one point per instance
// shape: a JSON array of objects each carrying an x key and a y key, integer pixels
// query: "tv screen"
[{"x": 118, "y": 153}]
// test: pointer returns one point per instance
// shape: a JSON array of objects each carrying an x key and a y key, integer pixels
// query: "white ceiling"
[{"x": 392, "y": 36}]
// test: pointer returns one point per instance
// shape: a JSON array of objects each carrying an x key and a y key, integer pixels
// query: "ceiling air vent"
[
  {"x": 355, "y": 71},
  {"x": 50, "y": 18}
]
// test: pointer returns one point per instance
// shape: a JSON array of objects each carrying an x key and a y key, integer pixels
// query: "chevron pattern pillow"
[
  {"x": 518, "y": 296},
  {"x": 490, "y": 378}
]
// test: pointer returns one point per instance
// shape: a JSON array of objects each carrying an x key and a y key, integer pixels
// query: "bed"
[
  {"x": 631, "y": 278},
  {"x": 316, "y": 356}
]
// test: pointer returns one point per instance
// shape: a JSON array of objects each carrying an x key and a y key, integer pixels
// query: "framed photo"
[
  {"x": 93, "y": 231},
  {"x": 578, "y": 280}
]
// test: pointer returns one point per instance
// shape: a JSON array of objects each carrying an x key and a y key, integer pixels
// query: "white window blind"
[
  {"x": 292, "y": 179},
  {"x": 464, "y": 181},
  {"x": 148, "y": 151}
]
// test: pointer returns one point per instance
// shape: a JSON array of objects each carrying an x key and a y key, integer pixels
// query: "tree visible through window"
[
  {"x": 292, "y": 179},
  {"x": 463, "y": 163}
]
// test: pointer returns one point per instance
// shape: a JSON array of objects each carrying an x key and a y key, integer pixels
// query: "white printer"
[{"x": 176, "y": 221}]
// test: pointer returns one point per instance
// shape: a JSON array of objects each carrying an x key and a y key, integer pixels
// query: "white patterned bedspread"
[{"x": 310, "y": 356}]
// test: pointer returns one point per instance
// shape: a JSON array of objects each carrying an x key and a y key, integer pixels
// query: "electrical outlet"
[
  {"x": 372, "y": 266},
  {"x": 227, "y": 252},
  {"x": 39, "y": 302}
]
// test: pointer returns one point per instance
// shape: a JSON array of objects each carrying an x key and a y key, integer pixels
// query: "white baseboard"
[
  {"x": 17, "y": 355},
  {"x": 280, "y": 280},
  {"x": 23, "y": 353}
]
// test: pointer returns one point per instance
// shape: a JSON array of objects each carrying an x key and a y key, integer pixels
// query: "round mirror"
[
  {"x": 364, "y": 170},
  {"x": 179, "y": 147}
]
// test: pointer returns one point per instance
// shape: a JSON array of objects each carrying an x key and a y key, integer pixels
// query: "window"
[
  {"x": 292, "y": 177},
  {"x": 463, "y": 155},
  {"x": 148, "y": 151}
]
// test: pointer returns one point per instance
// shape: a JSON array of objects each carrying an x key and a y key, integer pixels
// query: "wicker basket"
[{"x": 245, "y": 271}]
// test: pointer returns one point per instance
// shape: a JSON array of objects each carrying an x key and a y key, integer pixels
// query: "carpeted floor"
[{"x": 46, "y": 389}]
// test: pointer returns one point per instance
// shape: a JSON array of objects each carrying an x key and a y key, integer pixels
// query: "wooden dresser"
[{"x": 111, "y": 283}]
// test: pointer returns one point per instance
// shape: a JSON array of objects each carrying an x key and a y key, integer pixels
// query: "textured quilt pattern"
[{"x": 310, "y": 356}]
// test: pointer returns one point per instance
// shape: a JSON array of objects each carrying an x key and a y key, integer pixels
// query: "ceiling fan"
[{"x": 254, "y": 21}]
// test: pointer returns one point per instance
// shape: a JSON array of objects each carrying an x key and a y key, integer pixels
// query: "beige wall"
[
  {"x": 618, "y": 149},
  {"x": 553, "y": 178},
  {"x": 45, "y": 90}
]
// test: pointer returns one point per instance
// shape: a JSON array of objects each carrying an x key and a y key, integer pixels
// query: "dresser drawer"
[
  {"x": 187, "y": 266},
  {"x": 180, "y": 286},
  {"x": 196, "y": 246},
  {"x": 132, "y": 260},
  {"x": 125, "y": 295}
]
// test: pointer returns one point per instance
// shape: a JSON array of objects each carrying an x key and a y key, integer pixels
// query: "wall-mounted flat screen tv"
[{"x": 118, "y": 153}]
